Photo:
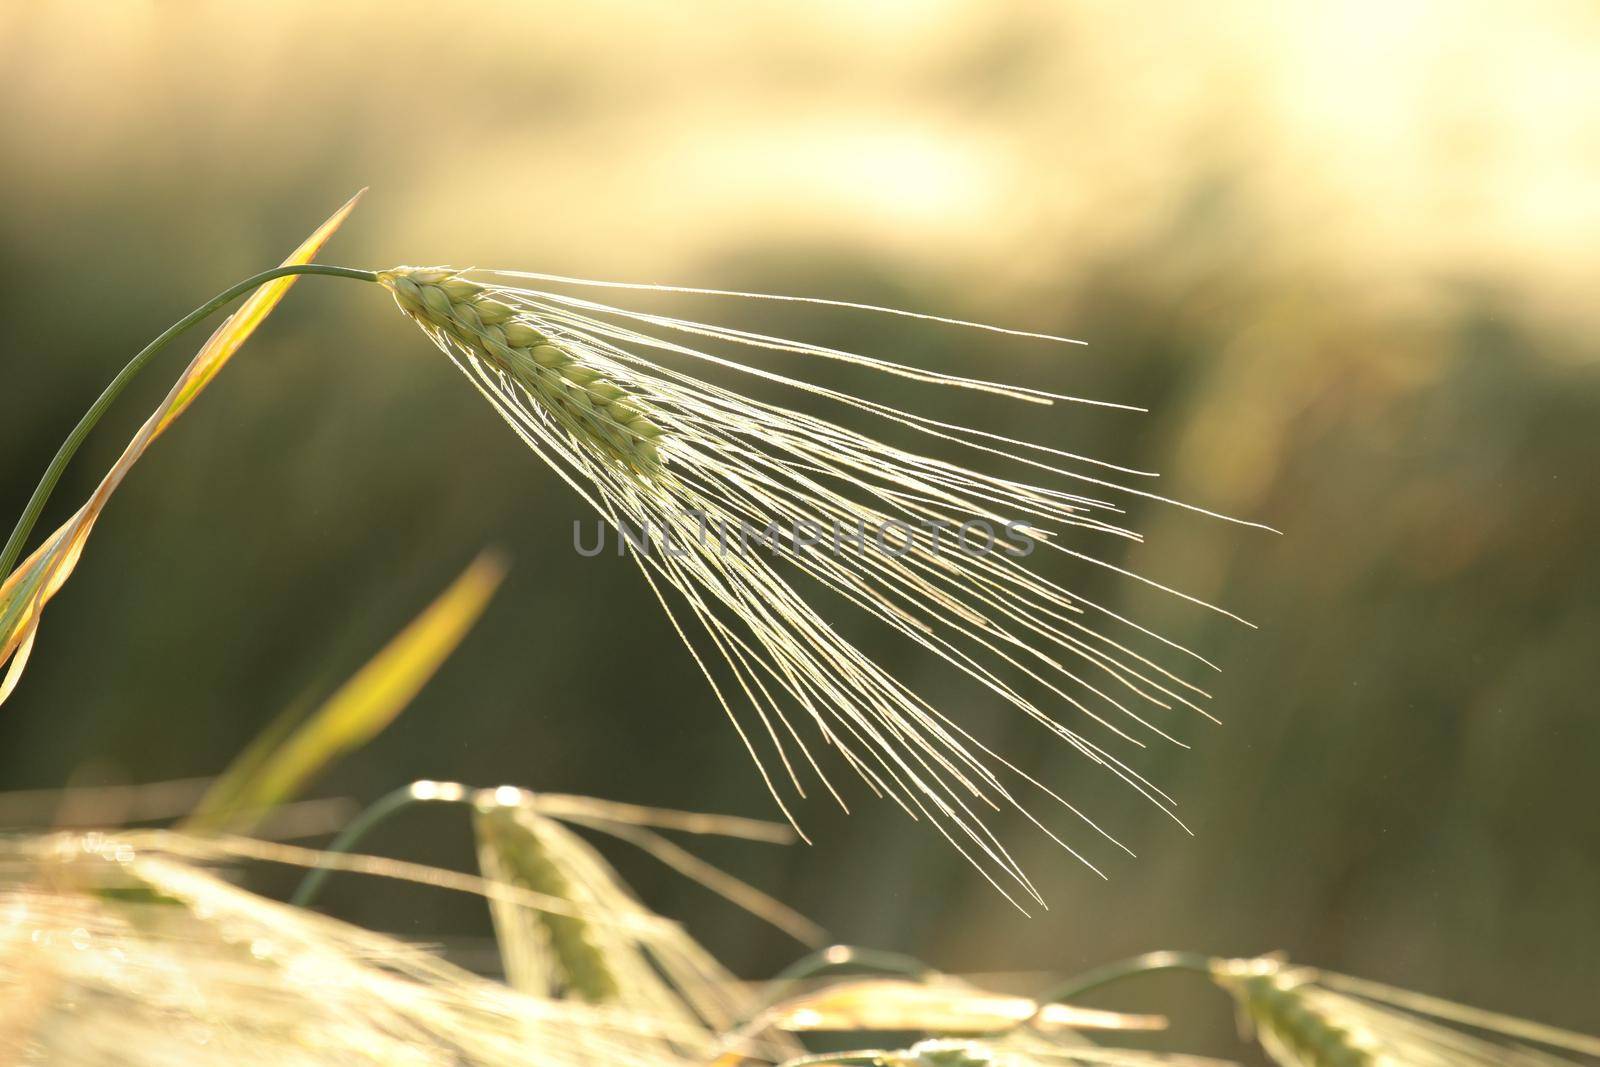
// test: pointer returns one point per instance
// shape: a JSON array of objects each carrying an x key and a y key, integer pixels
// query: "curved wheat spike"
[
  {"x": 1304, "y": 1017},
  {"x": 626, "y": 419}
]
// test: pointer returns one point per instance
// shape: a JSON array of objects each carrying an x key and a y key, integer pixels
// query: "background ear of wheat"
[{"x": 128, "y": 948}]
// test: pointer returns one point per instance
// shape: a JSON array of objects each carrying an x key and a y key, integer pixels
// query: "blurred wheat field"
[
  {"x": 1344, "y": 254},
  {"x": 128, "y": 948}
]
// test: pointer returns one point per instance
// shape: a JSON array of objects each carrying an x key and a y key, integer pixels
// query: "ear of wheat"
[
  {"x": 1294, "y": 1028},
  {"x": 652, "y": 447},
  {"x": 643, "y": 969},
  {"x": 544, "y": 951},
  {"x": 1304, "y": 1017}
]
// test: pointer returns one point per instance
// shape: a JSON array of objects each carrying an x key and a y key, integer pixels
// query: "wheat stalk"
[{"x": 655, "y": 448}]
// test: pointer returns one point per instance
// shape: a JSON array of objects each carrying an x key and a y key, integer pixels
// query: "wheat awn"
[{"x": 653, "y": 448}]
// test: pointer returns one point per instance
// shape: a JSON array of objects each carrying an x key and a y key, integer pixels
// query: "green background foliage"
[{"x": 1347, "y": 262}]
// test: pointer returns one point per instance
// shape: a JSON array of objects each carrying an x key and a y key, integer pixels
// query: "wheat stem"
[
  {"x": 1115, "y": 972},
  {"x": 368, "y": 820},
  {"x": 839, "y": 957},
  {"x": 52, "y": 474}
]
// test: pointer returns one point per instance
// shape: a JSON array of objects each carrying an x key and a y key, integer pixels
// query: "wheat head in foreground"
[{"x": 654, "y": 448}]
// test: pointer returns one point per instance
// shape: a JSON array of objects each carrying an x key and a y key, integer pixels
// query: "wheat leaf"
[
  {"x": 281, "y": 761},
  {"x": 25, "y": 592}
]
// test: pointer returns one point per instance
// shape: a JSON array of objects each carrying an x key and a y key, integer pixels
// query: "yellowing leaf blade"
[
  {"x": 25, "y": 591},
  {"x": 274, "y": 770},
  {"x": 233, "y": 333}
]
